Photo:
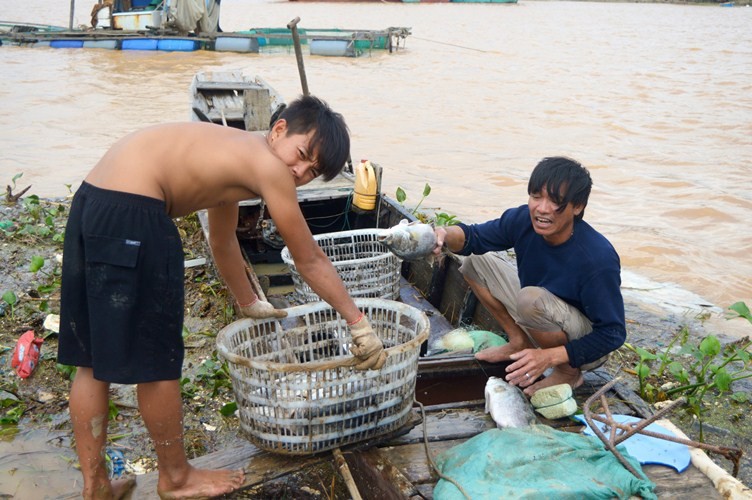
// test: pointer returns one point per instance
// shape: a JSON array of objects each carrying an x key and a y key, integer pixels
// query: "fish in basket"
[{"x": 296, "y": 388}]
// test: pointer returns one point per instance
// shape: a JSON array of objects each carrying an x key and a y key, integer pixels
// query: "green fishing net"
[{"x": 537, "y": 462}]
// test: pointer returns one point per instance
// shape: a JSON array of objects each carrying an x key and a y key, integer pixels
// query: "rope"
[
  {"x": 430, "y": 458},
  {"x": 458, "y": 46}
]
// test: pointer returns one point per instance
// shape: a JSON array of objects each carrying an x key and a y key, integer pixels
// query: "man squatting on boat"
[
  {"x": 122, "y": 280},
  {"x": 562, "y": 307}
]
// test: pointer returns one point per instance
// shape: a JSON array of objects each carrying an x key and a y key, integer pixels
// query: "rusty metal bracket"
[{"x": 619, "y": 432}]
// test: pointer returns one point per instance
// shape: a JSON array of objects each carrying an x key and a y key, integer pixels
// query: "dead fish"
[
  {"x": 508, "y": 405},
  {"x": 409, "y": 240}
]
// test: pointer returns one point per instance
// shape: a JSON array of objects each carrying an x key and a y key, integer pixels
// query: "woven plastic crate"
[
  {"x": 295, "y": 385},
  {"x": 365, "y": 265}
]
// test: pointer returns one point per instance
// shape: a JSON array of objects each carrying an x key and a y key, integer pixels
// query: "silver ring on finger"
[{"x": 527, "y": 375}]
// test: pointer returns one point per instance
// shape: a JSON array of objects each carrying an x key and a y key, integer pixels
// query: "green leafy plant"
[
  {"x": 695, "y": 370},
  {"x": 10, "y": 300},
  {"x": 39, "y": 220},
  {"x": 67, "y": 371},
  {"x": 741, "y": 310},
  {"x": 214, "y": 374},
  {"x": 13, "y": 408},
  {"x": 228, "y": 409},
  {"x": 439, "y": 218},
  {"x": 402, "y": 196}
]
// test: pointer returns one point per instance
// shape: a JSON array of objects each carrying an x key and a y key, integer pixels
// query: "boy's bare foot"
[
  {"x": 118, "y": 489},
  {"x": 122, "y": 488},
  {"x": 202, "y": 483},
  {"x": 561, "y": 374},
  {"x": 501, "y": 353}
]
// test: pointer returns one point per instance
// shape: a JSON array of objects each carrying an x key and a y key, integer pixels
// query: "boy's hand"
[
  {"x": 367, "y": 347},
  {"x": 260, "y": 309}
]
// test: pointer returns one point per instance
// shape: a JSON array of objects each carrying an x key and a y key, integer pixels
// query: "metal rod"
[
  {"x": 293, "y": 26},
  {"x": 620, "y": 432}
]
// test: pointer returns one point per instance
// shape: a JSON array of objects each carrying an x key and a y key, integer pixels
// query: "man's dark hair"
[
  {"x": 331, "y": 138},
  {"x": 565, "y": 180}
]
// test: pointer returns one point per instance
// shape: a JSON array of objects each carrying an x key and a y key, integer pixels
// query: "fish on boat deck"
[
  {"x": 508, "y": 405},
  {"x": 410, "y": 240}
]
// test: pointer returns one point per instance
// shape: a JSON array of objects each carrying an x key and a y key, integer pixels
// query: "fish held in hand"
[
  {"x": 508, "y": 405},
  {"x": 410, "y": 240}
]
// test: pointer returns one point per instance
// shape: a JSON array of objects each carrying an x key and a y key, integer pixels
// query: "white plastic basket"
[
  {"x": 295, "y": 385},
  {"x": 365, "y": 265}
]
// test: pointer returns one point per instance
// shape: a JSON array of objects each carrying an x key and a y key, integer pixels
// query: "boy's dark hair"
[
  {"x": 331, "y": 138},
  {"x": 565, "y": 180}
]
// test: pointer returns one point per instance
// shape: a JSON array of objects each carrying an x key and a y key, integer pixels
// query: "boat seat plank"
[
  {"x": 226, "y": 85},
  {"x": 447, "y": 425}
]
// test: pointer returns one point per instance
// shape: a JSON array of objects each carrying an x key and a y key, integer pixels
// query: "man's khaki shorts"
[{"x": 533, "y": 307}]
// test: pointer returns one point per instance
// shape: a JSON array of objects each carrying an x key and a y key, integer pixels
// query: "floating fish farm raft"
[{"x": 322, "y": 42}]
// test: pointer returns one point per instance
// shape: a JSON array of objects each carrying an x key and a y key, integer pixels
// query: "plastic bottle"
[{"x": 365, "y": 186}]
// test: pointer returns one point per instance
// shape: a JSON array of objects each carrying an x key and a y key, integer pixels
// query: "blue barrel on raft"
[
  {"x": 236, "y": 44},
  {"x": 177, "y": 45},
  {"x": 139, "y": 44},
  {"x": 66, "y": 44}
]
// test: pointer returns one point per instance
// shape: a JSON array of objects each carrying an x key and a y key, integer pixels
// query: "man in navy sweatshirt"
[{"x": 562, "y": 307}]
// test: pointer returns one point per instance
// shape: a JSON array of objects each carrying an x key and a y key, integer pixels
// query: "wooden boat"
[
  {"x": 158, "y": 25},
  {"x": 450, "y": 389}
]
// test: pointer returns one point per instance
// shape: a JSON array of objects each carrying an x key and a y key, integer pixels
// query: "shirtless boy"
[
  {"x": 122, "y": 284},
  {"x": 562, "y": 307}
]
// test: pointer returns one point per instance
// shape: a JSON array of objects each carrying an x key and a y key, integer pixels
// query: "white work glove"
[
  {"x": 367, "y": 347},
  {"x": 260, "y": 309}
]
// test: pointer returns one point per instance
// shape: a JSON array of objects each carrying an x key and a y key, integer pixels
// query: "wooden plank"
[
  {"x": 689, "y": 484},
  {"x": 378, "y": 478},
  {"x": 448, "y": 424},
  {"x": 412, "y": 460},
  {"x": 257, "y": 104},
  {"x": 259, "y": 466}
]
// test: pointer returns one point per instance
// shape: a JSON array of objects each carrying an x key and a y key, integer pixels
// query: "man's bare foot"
[
  {"x": 561, "y": 374},
  {"x": 202, "y": 483},
  {"x": 122, "y": 488},
  {"x": 500, "y": 353}
]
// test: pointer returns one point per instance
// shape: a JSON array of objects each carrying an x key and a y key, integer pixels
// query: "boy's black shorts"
[{"x": 121, "y": 310}]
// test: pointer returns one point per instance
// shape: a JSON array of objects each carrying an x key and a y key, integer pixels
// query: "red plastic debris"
[{"x": 26, "y": 354}]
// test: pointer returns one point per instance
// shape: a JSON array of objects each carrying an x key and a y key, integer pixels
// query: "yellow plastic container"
[{"x": 365, "y": 186}]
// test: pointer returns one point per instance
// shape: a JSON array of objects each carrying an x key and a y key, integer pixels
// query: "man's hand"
[
  {"x": 367, "y": 347},
  {"x": 260, "y": 309}
]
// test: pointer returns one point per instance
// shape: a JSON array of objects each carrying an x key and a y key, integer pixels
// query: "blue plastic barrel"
[
  {"x": 139, "y": 44},
  {"x": 177, "y": 45},
  {"x": 236, "y": 44},
  {"x": 332, "y": 48},
  {"x": 66, "y": 44},
  {"x": 100, "y": 44}
]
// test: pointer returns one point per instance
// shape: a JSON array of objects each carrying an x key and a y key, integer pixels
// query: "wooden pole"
[
  {"x": 344, "y": 470},
  {"x": 72, "y": 8},
  {"x": 293, "y": 25}
]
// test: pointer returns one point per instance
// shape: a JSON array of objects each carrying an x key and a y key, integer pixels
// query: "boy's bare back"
[{"x": 192, "y": 166}]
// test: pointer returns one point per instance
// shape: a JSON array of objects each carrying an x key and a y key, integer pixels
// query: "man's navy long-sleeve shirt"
[{"x": 584, "y": 271}]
